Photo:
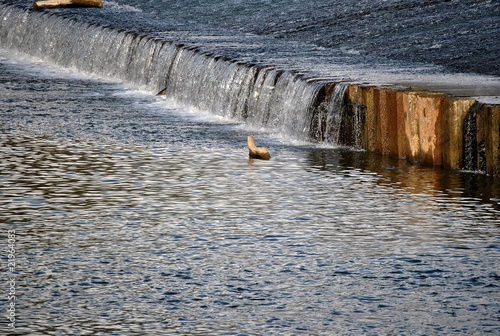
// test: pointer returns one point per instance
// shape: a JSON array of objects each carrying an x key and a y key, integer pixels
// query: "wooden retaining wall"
[{"x": 429, "y": 128}]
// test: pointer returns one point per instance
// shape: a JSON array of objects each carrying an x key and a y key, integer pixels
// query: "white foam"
[{"x": 122, "y": 8}]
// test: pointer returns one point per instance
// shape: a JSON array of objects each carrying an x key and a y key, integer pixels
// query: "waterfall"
[
  {"x": 340, "y": 122},
  {"x": 474, "y": 151},
  {"x": 284, "y": 101},
  {"x": 281, "y": 101},
  {"x": 357, "y": 127},
  {"x": 335, "y": 115}
]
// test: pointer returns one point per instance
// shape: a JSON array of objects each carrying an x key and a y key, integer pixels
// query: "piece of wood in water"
[
  {"x": 257, "y": 152},
  {"x": 66, "y": 3}
]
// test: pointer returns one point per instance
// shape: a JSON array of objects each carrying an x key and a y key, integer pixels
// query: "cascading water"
[
  {"x": 470, "y": 143},
  {"x": 281, "y": 101},
  {"x": 357, "y": 127},
  {"x": 335, "y": 115},
  {"x": 473, "y": 150}
]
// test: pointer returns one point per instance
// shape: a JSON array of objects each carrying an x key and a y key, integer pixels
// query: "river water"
[{"x": 135, "y": 214}]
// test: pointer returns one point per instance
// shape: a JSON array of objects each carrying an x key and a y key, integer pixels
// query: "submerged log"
[
  {"x": 257, "y": 152},
  {"x": 66, "y": 3}
]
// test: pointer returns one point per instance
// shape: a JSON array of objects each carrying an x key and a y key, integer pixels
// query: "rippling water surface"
[
  {"x": 459, "y": 35},
  {"x": 134, "y": 216}
]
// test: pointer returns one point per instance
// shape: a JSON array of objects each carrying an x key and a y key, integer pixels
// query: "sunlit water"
[{"x": 134, "y": 216}]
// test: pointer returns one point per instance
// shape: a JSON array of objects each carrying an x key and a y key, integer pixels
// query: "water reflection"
[
  {"x": 133, "y": 240},
  {"x": 476, "y": 187}
]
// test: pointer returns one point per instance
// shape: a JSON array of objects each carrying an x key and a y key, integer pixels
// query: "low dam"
[{"x": 424, "y": 126}]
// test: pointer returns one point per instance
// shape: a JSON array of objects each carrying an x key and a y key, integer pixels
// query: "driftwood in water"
[
  {"x": 66, "y": 3},
  {"x": 257, "y": 152}
]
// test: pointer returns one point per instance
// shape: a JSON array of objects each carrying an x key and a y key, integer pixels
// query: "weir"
[{"x": 429, "y": 128}]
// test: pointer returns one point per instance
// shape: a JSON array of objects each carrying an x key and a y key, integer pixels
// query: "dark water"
[
  {"x": 136, "y": 216},
  {"x": 459, "y": 35}
]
